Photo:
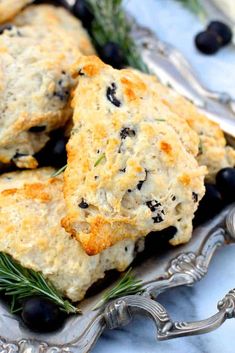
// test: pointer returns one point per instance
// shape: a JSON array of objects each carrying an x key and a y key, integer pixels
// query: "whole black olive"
[
  {"x": 81, "y": 10},
  {"x": 207, "y": 42},
  {"x": 54, "y": 153},
  {"x": 42, "y": 315},
  {"x": 112, "y": 54},
  {"x": 225, "y": 181},
  {"x": 222, "y": 30},
  {"x": 210, "y": 205}
]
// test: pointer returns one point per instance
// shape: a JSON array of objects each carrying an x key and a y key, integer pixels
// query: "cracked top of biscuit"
[{"x": 131, "y": 161}]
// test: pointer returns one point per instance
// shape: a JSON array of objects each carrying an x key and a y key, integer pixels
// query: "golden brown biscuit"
[
  {"x": 48, "y": 16},
  {"x": 35, "y": 84},
  {"x": 32, "y": 206},
  {"x": 213, "y": 149},
  {"x": 131, "y": 165},
  {"x": 9, "y": 8}
]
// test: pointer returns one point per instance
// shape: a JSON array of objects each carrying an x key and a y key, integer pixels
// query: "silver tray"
[
  {"x": 179, "y": 266},
  {"x": 183, "y": 265}
]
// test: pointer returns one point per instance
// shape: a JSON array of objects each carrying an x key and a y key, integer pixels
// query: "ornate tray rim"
[{"x": 184, "y": 265}]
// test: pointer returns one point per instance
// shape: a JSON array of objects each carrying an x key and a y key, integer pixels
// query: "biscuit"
[
  {"x": 213, "y": 149},
  {"x": 49, "y": 16},
  {"x": 131, "y": 161},
  {"x": 9, "y": 8},
  {"x": 35, "y": 84},
  {"x": 32, "y": 206}
]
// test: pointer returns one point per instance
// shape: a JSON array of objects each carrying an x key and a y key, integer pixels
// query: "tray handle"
[{"x": 119, "y": 312}]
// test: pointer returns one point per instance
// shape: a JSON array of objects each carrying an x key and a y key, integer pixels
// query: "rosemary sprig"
[
  {"x": 20, "y": 283},
  {"x": 111, "y": 25},
  {"x": 59, "y": 171},
  {"x": 99, "y": 159},
  {"x": 128, "y": 285},
  {"x": 195, "y": 6}
]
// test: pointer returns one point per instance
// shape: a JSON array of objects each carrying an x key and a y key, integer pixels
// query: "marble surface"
[{"x": 176, "y": 25}]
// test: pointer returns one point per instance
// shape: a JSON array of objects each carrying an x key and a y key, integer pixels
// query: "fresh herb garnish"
[
  {"x": 99, "y": 159},
  {"x": 59, "y": 171},
  {"x": 128, "y": 285},
  {"x": 20, "y": 283},
  {"x": 111, "y": 25},
  {"x": 195, "y": 6}
]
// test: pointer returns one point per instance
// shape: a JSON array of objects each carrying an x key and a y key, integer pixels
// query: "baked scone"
[
  {"x": 213, "y": 149},
  {"x": 131, "y": 161},
  {"x": 30, "y": 231},
  {"x": 48, "y": 16},
  {"x": 214, "y": 152},
  {"x": 12, "y": 180},
  {"x": 35, "y": 84},
  {"x": 9, "y": 8}
]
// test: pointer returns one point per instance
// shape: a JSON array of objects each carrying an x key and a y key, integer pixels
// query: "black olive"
[
  {"x": 112, "y": 54},
  {"x": 141, "y": 182},
  {"x": 18, "y": 155},
  {"x": 157, "y": 219},
  {"x": 169, "y": 233},
  {"x": 81, "y": 10},
  {"x": 54, "y": 153},
  {"x": 210, "y": 205},
  {"x": 126, "y": 131},
  {"x": 225, "y": 181},
  {"x": 110, "y": 93},
  {"x": 5, "y": 27},
  {"x": 61, "y": 91},
  {"x": 52, "y": 2},
  {"x": 37, "y": 128},
  {"x": 222, "y": 30},
  {"x": 153, "y": 205},
  {"x": 207, "y": 42},
  {"x": 42, "y": 315},
  {"x": 83, "y": 204},
  {"x": 80, "y": 73},
  {"x": 159, "y": 241},
  {"x": 195, "y": 197}
]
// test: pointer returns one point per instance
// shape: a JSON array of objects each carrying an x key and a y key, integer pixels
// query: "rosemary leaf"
[
  {"x": 59, "y": 171},
  {"x": 128, "y": 285},
  {"x": 99, "y": 160},
  {"x": 21, "y": 283},
  {"x": 111, "y": 25}
]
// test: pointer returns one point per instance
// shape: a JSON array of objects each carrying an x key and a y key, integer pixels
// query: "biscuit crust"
[
  {"x": 36, "y": 58},
  {"x": 35, "y": 76},
  {"x": 131, "y": 161},
  {"x": 48, "y": 16},
  {"x": 32, "y": 206},
  {"x": 213, "y": 151},
  {"x": 9, "y": 8}
]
